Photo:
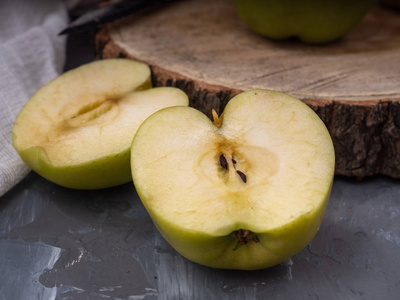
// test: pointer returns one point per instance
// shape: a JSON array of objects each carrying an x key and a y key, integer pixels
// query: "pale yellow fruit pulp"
[
  {"x": 77, "y": 130},
  {"x": 281, "y": 146}
]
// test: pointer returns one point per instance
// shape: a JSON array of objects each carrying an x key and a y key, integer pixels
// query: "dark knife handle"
[{"x": 111, "y": 13}]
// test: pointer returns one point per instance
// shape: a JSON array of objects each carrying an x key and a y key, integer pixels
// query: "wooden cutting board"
[{"x": 353, "y": 84}]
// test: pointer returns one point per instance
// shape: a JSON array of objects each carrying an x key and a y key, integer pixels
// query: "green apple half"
[
  {"x": 77, "y": 130},
  {"x": 312, "y": 21},
  {"x": 246, "y": 191}
]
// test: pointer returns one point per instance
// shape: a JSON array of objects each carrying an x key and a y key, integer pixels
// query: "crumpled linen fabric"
[{"x": 31, "y": 54}]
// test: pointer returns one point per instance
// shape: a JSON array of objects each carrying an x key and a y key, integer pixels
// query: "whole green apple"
[
  {"x": 312, "y": 21},
  {"x": 77, "y": 130},
  {"x": 246, "y": 191}
]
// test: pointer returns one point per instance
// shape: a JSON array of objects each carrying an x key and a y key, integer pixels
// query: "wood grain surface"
[{"x": 353, "y": 84}]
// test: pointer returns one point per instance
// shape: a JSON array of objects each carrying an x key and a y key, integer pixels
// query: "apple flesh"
[
  {"x": 246, "y": 191},
  {"x": 77, "y": 130},
  {"x": 312, "y": 21}
]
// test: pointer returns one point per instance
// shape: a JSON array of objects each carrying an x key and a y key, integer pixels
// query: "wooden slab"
[{"x": 353, "y": 84}]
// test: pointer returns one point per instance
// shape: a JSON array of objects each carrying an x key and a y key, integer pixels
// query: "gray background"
[{"x": 58, "y": 243}]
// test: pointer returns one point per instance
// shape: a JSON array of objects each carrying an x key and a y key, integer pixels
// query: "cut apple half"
[
  {"x": 246, "y": 191},
  {"x": 77, "y": 130}
]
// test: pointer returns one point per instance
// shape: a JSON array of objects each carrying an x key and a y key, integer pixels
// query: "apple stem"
[{"x": 217, "y": 120}]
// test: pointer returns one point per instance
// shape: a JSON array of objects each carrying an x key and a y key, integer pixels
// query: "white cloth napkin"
[{"x": 31, "y": 54}]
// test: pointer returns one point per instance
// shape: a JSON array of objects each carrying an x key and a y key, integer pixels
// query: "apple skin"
[
  {"x": 217, "y": 249},
  {"x": 311, "y": 21},
  {"x": 98, "y": 78},
  {"x": 101, "y": 173}
]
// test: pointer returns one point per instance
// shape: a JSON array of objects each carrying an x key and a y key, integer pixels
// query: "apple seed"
[
  {"x": 242, "y": 176},
  {"x": 223, "y": 162}
]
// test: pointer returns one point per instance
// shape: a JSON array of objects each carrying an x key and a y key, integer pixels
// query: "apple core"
[
  {"x": 77, "y": 130},
  {"x": 244, "y": 191}
]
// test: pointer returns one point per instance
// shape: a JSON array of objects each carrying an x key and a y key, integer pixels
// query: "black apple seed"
[
  {"x": 242, "y": 176},
  {"x": 223, "y": 162}
]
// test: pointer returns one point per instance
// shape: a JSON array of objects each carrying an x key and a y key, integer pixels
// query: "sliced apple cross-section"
[
  {"x": 246, "y": 191},
  {"x": 77, "y": 130}
]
